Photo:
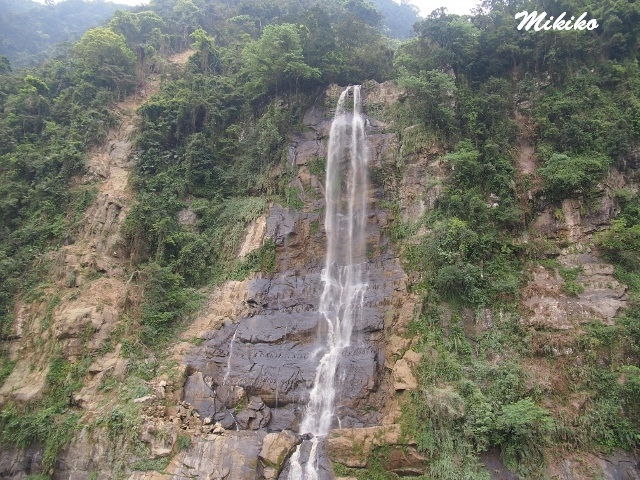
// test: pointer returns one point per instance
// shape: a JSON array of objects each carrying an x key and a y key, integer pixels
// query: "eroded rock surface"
[
  {"x": 602, "y": 298},
  {"x": 233, "y": 455},
  {"x": 271, "y": 350}
]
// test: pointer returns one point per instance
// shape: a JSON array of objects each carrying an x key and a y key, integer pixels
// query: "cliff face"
[{"x": 231, "y": 389}]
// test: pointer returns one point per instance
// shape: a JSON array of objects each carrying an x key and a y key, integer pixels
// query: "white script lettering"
[{"x": 538, "y": 22}]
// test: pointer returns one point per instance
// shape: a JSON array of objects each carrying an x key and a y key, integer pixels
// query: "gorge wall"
[{"x": 232, "y": 389}]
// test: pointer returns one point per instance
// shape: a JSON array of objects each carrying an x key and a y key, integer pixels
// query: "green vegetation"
[
  {"x": 31, "y": 32},
  {"x": 211, "y": 156},
  {"x": 50, "y": 422},
  {"x": 621, "y": 243},
  {"x": 472, "y": 86},
  {"x": 49, "y": 119},
  {"x": 571, "y": 284}
]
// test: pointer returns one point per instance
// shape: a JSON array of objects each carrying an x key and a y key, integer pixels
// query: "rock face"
[
  {"x": 276, "y": 448},
  {"x": 254, "y": 371},
  {"x": 402, "y": 371},
  {"x": 601, "y": 299},
  {"x": 271, "y": 352},
  {"x": 218, "y": 457},
  {"x": 353, "y": 448},
  {"x": 245, "y": 380}
]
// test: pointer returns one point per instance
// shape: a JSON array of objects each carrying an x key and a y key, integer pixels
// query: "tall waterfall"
[{"x": 342, "y": 299}]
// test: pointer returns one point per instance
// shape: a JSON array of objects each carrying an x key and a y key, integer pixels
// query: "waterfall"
[
  {"x": 228, "y": 371},
  {"x": 342, "y": 299}
]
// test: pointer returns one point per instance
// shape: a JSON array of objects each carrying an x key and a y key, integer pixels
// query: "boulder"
[
  {"x": 403, "y": 378},
  {"x": 276, "y": 449},
  {"x": 254, "y": 416},
  {"x": 352, "y": 447}
]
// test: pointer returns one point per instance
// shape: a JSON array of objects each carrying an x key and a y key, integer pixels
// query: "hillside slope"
[{"x": 162, "y": 268}]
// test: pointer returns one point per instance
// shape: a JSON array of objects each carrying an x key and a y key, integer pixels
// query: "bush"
[
  {"x": 523, "y": 430},
  {"x": 167, "y": 301},
  {"x": 621, "y": 244},
  {"x": 566, "y": 176}
]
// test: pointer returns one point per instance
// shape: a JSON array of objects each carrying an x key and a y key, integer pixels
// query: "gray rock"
[
  {"x": 230, "y": 456},
  {"x": 254, "y": 415}
]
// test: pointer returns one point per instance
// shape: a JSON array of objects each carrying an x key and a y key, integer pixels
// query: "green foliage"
[
  {"x": 275, "y": 62},
  {"x": 49, "y": 118},
  {"x": 6, "y": 367},
  {"x": 31, "y": 32},
  {"x": 211, "y": 156},
  {"x": 46, "y": 426},
  {"x": 436, "y": 419},
  {"x": 262, "y": 259},
  {"x": 105, "y": 60},
  {"x": 398, "y": 18},
  {"x": 167, "y": 301},
  {"x": 431, "y": 95},
  {"x": 524, "y": 431},
  {"x": 571, "y": 285},
  {"x": 121, "y": 422},
  {"x": 566, "y": 176},
  {"x": 461, "y": 263},
  {"x": 50, "y": 423},
  {"x": 318, "y": 167},
  {"x": 184, "y": 442},
  {"x": 621, "y": 243},
  {"x": 157, "y": 464},
  {"x": 207, "y": 57}
]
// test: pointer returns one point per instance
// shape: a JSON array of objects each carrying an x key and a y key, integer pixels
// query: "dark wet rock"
[
  {"x": 285, "y": 417},
  {"x": 206, "y": 401},
  {"x": 254, "y": 415},
  {"x": 280, "y": 341},
  {"x": 281, "y": 225},
  {"x": 621, "y": 466},
  {"x": 230, "y": 395},
  {"x": 492, "y": 461},
  {"x": 198, "y": 394},
  {"x": 306, "y": 150},
  {"x": 319, "y": 120},
  {"x": 278, "y": 346}
]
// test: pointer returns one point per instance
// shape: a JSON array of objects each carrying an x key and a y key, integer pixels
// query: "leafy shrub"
[
  {"x": 523, "y": 430},
  {"x": 566, "y": 176},
  {"x": 571, "y": 285},
  {"x": 167, "y": 300},
  {"x": 621, "y": 243}
]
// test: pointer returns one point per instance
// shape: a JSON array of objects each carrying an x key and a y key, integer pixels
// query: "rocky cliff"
[{"x": 229, "y": 392}]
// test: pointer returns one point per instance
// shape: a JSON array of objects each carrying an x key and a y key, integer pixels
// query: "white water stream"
[
  {"x": 228, "y": 370},
  {"x": 342, "y": 299}
]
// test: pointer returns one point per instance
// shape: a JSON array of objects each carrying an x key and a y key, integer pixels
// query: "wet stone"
[{"x": 279, "y": 344}]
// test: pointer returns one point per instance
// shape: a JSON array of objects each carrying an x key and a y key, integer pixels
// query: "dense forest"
[
  {"x": 214, "y": 139},
  {"x": 31, "y": 32}
]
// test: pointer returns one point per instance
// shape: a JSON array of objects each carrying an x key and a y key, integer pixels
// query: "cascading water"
[
  {"x": 228, "y": 370},
  {"x": 342, "y": 299}
]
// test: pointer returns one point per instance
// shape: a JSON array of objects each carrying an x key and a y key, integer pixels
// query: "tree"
[
  {"x": 5, "y": 65},
  {"x": 432, "y": 95},
  {"x": 105, "y": 59},
  {"x": 207, "y": 55},
  {"x": 456, "y": 36},
  {"x": 566, "y": 176},
  {"x": 276, "y": 61}
]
